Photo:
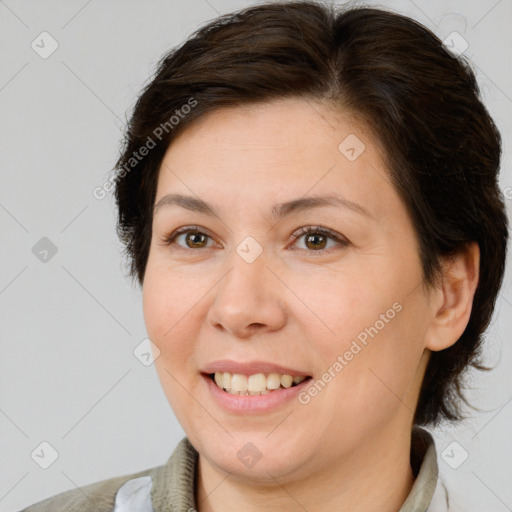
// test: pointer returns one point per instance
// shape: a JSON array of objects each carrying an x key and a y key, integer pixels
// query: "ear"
[{"x": 453, "y": 300}]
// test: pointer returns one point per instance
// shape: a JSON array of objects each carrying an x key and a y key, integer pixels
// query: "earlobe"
[{"x": 459, "y": 283}]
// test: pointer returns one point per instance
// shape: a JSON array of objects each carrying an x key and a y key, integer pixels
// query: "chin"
[{"x": 253, "y": 455}]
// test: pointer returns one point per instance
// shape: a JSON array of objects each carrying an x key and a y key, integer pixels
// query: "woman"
[{"x": 309, "y": 199}]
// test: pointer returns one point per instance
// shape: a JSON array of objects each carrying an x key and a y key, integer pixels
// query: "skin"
[{"x": 348, "y": 448}]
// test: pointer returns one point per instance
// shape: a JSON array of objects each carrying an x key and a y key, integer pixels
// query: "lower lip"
[{"x": 253, "y": 404}]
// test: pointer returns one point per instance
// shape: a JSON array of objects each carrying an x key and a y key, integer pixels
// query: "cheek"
[
  {"x": 382, "y": 361},
  {"x": 153, "y": 300},
  {"x": 163, "y": 310},
  {"x": 374, "y": 326},
  {"x": 342, "y": 308},
  {"x": 159, "y": 321},
  {"x": 168, "y": 312},
  {"x": 160, "y": 302}
]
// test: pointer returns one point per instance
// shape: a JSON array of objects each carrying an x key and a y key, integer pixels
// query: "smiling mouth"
[{"x": 256, "y": 384}]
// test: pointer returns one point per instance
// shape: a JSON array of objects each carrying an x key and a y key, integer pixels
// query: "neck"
[{"x": 376, "y": 476}]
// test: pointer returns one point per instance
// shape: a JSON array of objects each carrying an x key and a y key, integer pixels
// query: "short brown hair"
[{"x": 442, "y": 147}]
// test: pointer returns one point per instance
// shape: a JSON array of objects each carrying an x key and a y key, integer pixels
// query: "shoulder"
[{"x": 99, "y": 496}]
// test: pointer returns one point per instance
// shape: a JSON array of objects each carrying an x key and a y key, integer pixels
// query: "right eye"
[{"x": 192, "y": 235}]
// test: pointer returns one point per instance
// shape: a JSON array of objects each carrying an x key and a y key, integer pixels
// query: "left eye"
[{"x": 316, "y": 237}]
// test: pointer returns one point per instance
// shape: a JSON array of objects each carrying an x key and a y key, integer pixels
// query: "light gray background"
[{"x": 68, "y": 375}]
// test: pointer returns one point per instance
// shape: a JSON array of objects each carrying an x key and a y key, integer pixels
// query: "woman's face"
[{"x": 345, "y": 308}]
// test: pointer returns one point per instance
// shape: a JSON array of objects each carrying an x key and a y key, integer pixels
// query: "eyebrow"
[{"x": 278, "y": 211}]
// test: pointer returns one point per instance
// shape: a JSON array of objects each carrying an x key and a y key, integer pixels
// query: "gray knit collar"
[{"x": 174, "y": 487}]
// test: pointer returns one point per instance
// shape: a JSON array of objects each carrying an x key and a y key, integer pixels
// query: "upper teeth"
[{"x": 254, "y": 384}]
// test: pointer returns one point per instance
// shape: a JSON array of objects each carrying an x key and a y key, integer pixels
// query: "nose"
[{"x": 249, "y": 299}]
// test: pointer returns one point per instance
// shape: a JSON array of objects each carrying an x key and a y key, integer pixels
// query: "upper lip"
[{"x": 250, "y": 368}]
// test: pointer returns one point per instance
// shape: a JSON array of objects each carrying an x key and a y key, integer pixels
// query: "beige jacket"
[{"x": 173, "y": 484}]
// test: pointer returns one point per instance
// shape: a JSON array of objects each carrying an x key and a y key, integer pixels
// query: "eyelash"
[{"x": 306, "y": 230}]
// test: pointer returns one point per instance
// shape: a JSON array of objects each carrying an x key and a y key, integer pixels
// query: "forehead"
[
  {"x": 287, "y": 148},
  {"x": 291, "y": 127}
]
